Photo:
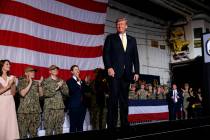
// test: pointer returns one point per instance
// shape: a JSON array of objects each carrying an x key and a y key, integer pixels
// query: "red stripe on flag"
[
  {"x": 147, "y": 117},
  {"x": 18, "y": 70},
  {"x": 87, "y": 5},
  {"x": 39, "y": 16},
  {"x": 13, "y": 39}
]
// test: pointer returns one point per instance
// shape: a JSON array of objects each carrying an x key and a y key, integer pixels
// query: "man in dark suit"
[
  {"x": 120, "y": 54},
  {"x": 77, "y": 108},
  {"x": 175, "y": 103}
]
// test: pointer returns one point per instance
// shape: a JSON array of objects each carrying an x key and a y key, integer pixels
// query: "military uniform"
[
  {"x": 132, "y": 92},
  {"x": 98, "y": 114},
  {"x": 29, "y": 109},
  {"x": 165, "y": 93},
  {"x": 99, "y": 102},
  {"x": 53, "y": 105},
  {"x": 142, "y": 94},
  {"x": 152, "y": 93},
  {"x": 132, "y": 95},
  {"x": 160, "y": 96}
]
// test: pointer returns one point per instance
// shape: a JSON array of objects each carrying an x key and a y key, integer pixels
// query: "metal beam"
[
  {"x": 172, "y": 7},
  {"x": 201, "y": 4},
  {"x": 182, "y": 7},
  {"x": 132, "y": 11}
]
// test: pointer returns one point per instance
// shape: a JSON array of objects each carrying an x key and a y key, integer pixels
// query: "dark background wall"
[{"x": 188, "y": 72}]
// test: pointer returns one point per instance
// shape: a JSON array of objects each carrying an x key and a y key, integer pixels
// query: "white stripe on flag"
[
  {"x": 58, "y": 8},
  {"x": 21, "y": 25},
  {"x": 24, "y": 56},
  {"x": 102, "y": 1},
  {"x": 147, "y": 109}
]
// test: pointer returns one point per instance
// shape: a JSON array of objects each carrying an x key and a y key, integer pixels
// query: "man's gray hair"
[{"x": 121, "y": 19}]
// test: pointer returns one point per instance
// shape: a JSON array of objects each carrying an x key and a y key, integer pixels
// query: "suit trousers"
[
  {"x": 77, "y": 117},
  {"x": 176, "y": 111},
  {"x": 119, "y": 96}
]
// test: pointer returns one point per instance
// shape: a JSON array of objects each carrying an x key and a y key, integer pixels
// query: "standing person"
[
  {"x": 99, "y": 100},
  {"x": 198, "y": 103},
  {"x": 176, "y": 101},
  {"x": 120, "y": 54},
  {"x": 8, "y": 118},
  {"x": 29, "y": 109},
  {"x": 195, "y": 104},
  {"x": 132, "y": 94},
  {"x": 142, "y": 93},
  {"x": 186, "y": 96},
  {"x": 54, "y": 89},
  {"x": 77, "y": 108}
]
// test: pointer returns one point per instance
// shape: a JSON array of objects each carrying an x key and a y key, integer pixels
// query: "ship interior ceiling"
[{"x": 170, "y": 10}]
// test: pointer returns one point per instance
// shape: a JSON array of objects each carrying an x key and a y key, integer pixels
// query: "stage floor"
[{"x": 173, "y": 129}]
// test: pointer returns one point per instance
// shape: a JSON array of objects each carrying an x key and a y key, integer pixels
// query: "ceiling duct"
[
  {"x": 173, "y": 6},
  {"x": 200, "y": 4}
]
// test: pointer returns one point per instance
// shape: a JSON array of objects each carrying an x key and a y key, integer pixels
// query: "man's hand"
[
  {"x": 111, "y": 72},
  {"x": 60, "y": 83},
  {"x": 78, "y": 79},
  {"x": 136, "y": 77}
]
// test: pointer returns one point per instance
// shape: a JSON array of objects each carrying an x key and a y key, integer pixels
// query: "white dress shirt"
[
  {"x": 175, "y": 96},
  {"x": 123, "y": 38},
  {"x": 78, "y": 82}
]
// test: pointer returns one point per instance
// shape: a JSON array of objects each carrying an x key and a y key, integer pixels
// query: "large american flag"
[{"x": 40, "y": 33}]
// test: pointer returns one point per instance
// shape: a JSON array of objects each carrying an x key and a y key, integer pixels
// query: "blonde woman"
[{"x": 186, "y": 96}]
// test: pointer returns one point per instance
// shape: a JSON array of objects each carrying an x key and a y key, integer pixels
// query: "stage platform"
[{"x": 159, "y": 130}]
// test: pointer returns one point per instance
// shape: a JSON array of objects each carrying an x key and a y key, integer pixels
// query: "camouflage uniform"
[
  {"x": 152, "y": 96},
  {"x": 160, "y": 96},
  {"x": 98, "y": 114},
  {"x": 53, "y": 106},
  {"x": 29, "y": 110},
  {"x": 165, "y": 93},
  {"x": 132, "y": 95},
  {"x": 142, "y": 94},
  {"x": 99, "y": 104}
]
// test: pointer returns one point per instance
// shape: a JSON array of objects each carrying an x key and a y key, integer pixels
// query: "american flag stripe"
[
  {"x": 46, "y": 46},
  {"x": 87, "y": 5},
  {"x": 40, "y": 33},
  {"x": 60, "y": 22},
  {"x": 148, "y": 117},
  {"x": 68, "y": 11},
  {"x": 147, "y": 109},
  {"x": 101, "y": 1},
  {"x": 30, "y": 57},
  {"x": 28, "y": 27}
]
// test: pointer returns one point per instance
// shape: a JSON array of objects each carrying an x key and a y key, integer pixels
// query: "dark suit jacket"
[
  {"x": 121, "y": 61},
  {"x": 76, "y": 93},
  {"x": 179, "y": 93}
]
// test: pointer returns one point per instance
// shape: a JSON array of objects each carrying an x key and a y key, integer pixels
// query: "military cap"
[{"x": 29, "y": 69}]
